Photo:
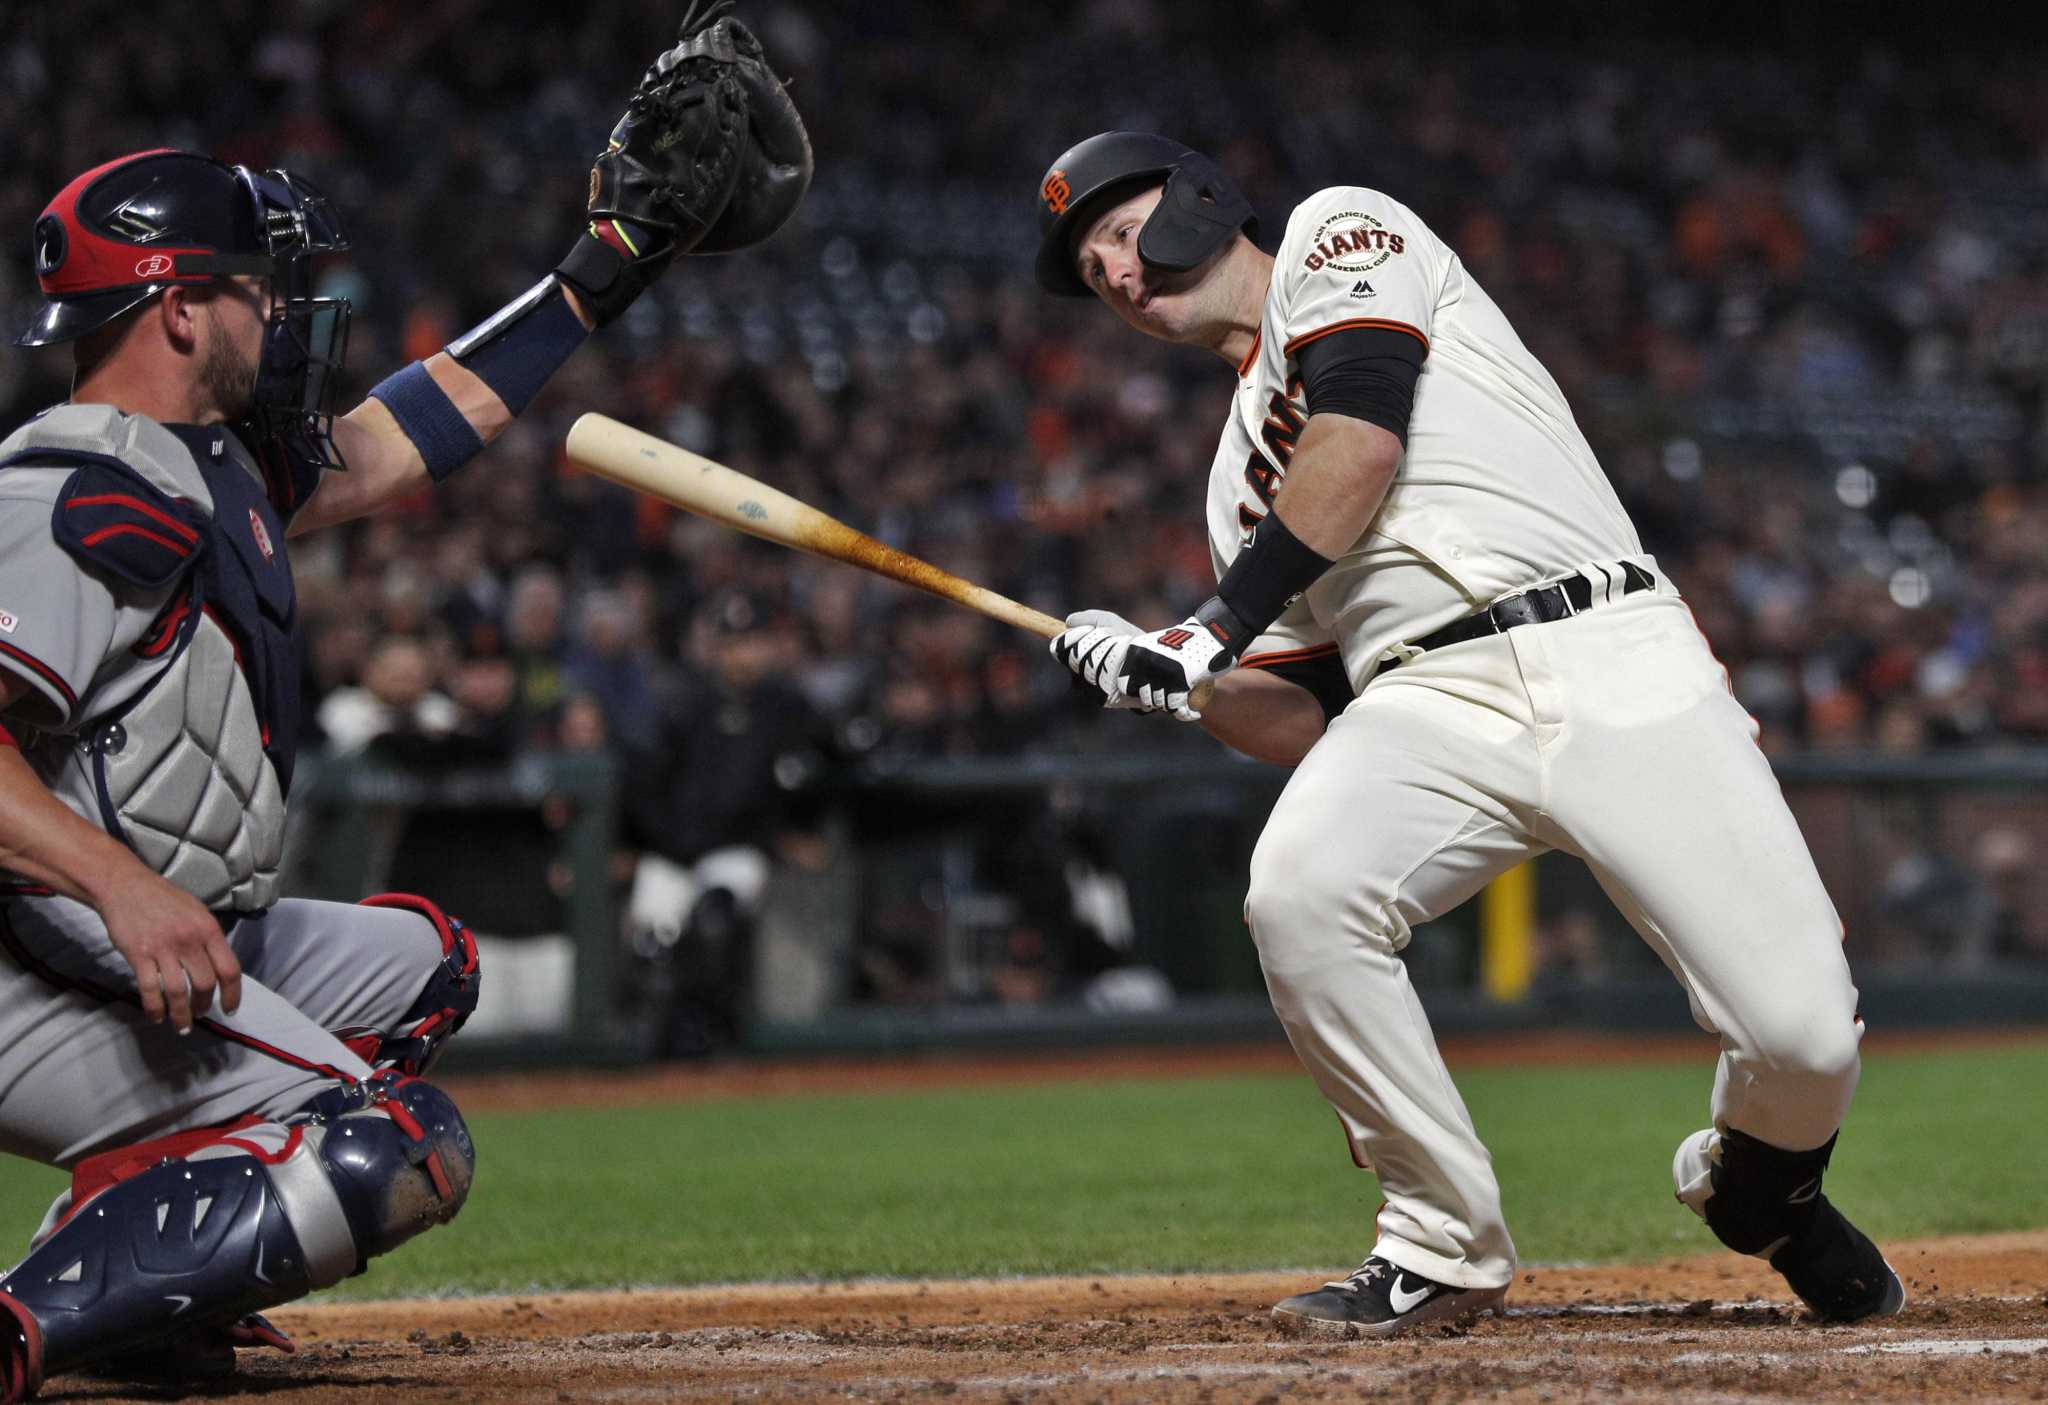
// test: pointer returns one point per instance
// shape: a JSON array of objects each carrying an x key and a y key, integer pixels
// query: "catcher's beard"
[{"x": 227, "y": 375}]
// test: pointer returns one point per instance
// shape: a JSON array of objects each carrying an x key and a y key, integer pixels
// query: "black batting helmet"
[
  {"x": 122, "y": 233},
  {"x": 1201, "y": 209}
]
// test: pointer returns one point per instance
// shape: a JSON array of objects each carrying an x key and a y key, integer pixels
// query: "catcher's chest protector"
[{"x": 182, "y": 747}]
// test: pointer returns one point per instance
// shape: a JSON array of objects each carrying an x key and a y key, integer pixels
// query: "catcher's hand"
[
  {"x": 709, "y": 155},
  {"x": 775, "y": 152}
]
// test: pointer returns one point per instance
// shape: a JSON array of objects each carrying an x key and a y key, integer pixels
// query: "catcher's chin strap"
[{"x": 205, "y": 1228}]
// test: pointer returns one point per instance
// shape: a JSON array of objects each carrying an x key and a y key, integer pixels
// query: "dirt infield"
[
  {"x": 1715, "y": 1329},
  {"x": 1720, "y": 1328}
]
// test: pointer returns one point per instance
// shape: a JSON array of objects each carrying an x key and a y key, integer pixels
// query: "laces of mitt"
[{"x": 693, "y": 21}]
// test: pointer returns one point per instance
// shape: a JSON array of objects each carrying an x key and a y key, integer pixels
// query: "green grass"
[{"x": 1124, "y": 1176}]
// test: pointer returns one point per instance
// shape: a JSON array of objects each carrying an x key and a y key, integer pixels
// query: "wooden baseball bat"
[{"x": 696, "y": 484}]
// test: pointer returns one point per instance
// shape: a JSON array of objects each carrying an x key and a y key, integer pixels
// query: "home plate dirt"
[{"x": 1718, "y": 1329}]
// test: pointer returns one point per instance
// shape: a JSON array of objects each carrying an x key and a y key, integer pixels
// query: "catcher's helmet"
[
  {"x": 123, "y": 232},
  {"x": 1201, "y": 209}
]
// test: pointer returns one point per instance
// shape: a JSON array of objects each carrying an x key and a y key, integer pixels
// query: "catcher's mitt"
[
  {"x": 775, "y": 154},
  {"x": 710, "y": 155},
  {"x": 674, "y": 158}
]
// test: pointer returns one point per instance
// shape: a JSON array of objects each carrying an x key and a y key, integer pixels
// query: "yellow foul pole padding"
[{"x": 1507, "y": 933}]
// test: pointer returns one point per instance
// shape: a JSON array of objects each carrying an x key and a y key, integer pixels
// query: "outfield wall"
[{"x": 1052, "y": 901}]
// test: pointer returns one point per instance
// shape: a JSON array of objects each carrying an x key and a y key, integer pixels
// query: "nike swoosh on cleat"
[
  {"x": 180, "y": 1299},
  {"x": 1406, "y": 1302}
]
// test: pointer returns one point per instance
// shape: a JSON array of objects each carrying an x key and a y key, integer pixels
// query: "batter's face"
[{"x": 1170, "y": 306}]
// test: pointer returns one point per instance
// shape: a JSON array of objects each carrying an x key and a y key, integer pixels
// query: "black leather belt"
[{"x": 1539, "y": 606}]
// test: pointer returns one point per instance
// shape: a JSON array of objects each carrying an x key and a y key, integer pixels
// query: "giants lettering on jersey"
[
  {"x": 1352, "y": 241},
  {"x": 1285, "y": 415}
]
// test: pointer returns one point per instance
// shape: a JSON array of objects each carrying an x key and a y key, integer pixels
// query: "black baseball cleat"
[
  {"x": 1837, "y": 1271},
  {"x": 1383, "y": 1300}
]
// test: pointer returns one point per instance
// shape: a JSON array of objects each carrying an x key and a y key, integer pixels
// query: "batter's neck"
[{"x": 1246, "y": 273}]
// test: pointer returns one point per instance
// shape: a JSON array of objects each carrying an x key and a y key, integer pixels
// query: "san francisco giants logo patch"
[
  {"x": 1352, "y": 241},
  {"x": 1057, "y": 192}
]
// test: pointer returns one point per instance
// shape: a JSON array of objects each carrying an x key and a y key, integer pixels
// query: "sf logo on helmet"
[{"x": 1057, "y": 192}]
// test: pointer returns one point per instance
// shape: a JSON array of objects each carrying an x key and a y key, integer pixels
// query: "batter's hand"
[
  {"x": 1093, "y": 646},
  {"x": 1153, "y": 672},
  {"x": 174, "y": 946},
  {"x": 1162, "y": 668}
]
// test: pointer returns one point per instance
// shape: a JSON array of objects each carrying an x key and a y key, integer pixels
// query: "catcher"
[{"x": 238, "y": 1083}]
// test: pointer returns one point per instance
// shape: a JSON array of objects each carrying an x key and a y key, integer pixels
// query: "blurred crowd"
[{"x": 1797, "y": 293}]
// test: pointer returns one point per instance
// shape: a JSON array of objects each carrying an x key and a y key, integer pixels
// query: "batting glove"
[
  {"x": 1093, "y": 646},
  {"x": 1145, "y": 672}
]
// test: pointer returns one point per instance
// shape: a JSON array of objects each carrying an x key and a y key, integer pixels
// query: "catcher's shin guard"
[
  {"x": 445, "y": 1002},
  {"x": 250, "y": 1217}
]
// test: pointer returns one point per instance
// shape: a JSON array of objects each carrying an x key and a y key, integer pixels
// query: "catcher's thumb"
[{"x": 1102, "y": 619}]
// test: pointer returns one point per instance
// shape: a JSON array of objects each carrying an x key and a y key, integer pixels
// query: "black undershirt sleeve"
[
  {"x": 1368, "y": 373},
  {"x": 1322, "y": 674}
]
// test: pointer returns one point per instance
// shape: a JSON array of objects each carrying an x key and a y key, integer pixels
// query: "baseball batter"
[
  {"x": 238, "y": 1084},
  {"x": 1430, "y": 599}
]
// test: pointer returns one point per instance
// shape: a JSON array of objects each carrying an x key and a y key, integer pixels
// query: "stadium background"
[
  {"x": 1794, "y": 281},
  {"x": 1797, "y": 292}
]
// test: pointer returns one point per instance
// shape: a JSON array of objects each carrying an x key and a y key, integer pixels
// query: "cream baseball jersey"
[{"x": 1498, "y": 491}]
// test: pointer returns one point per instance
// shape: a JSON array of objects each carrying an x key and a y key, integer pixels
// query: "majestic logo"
[
  {"x": 155, "y": 266},
  {"x": 51, "y": 245},
  {"x": 7, "y": 622},
  {"x": 1362, "y": 289},
  {"x": 1057, "y": 192},
  {"x": 1352, "y": 241},
  {"x": 256, "y": 530}
]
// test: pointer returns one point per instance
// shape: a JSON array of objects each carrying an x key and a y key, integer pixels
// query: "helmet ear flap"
[{"x": 1198, "y": 213}]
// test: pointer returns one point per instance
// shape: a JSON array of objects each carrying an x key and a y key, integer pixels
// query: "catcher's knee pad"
[
  {"x": 207, "y": 1227},
  {"x": 397, "y": 1154},
  {"x": 445, "y": 1002},
  {"x": 1754, "y": 1196}
]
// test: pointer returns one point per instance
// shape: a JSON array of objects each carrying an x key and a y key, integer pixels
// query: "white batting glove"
[
  {"x": 1153, "y": 672},
  {"x": 1093, "y": 646},
  {"x": 1162, "y": 668}
]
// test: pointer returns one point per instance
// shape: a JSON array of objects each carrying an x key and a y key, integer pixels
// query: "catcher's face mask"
[
  {"x": 121, "y": 233},
  {"x": 306, "y": 344}
]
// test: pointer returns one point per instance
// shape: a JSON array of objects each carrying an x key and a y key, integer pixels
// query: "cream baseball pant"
[{"x": 1610, "y": 735}]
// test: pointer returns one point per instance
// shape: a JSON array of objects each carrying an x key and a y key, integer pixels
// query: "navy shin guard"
[{"x": 230, "y": 1222}]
